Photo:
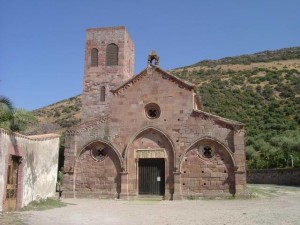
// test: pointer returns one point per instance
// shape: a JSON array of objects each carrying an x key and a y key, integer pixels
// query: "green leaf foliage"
[
  {"x": 14, "y": 119},
  {"x": 6, "y": 109},
  {"x": 265, "y": 99}
]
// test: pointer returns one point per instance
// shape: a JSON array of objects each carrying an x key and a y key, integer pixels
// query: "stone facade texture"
[
  {"x": 124, "y": 126},
  {"x": 102, "y": 75}
]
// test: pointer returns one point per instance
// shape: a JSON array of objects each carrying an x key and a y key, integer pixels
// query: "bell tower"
[{"x": 109, "y": 61}]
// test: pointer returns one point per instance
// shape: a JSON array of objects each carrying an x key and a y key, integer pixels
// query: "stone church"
[{"x": 147, "y": 134}]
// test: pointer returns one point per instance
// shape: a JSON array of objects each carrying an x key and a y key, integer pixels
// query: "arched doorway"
[{"x": 150, "y": 164}]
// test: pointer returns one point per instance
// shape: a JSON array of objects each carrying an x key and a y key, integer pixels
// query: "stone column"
[
  {"x": 124, "y": 186},
  {"x": 69, "y": 184},
  {"x": 177, "y": 186},
  {"x": 240, "y": 160},
  {"x": 240, "y": 182}
]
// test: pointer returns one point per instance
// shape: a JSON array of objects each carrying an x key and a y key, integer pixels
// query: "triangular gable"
[{"x": 165, "y": 74}]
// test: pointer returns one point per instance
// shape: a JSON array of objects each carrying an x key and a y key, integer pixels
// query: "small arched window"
[
  {"x": 112, "y": 55},
  {"x": 94, "y": 57},
  {"x": 102, "y": 94}
]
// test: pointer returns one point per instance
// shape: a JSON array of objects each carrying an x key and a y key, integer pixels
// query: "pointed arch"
[
  {"x": 228, "y": 151},
  {"x": 94, "y": 57},
  {"x": 116, "y": 151},
  {"x": 104, "y": 171},
  {"x": 112, "y": 52},
  {"x": 140, "y": 132}
]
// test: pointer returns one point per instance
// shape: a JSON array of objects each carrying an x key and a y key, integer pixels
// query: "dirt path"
[{"x": 274, "y": 205}]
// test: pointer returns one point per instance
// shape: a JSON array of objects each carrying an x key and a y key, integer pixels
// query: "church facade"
[{"x": 146, "y": 134}]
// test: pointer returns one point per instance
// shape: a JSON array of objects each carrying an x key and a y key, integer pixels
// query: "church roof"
[
  {"x": 219, "y": 118},
  {"x": 131, "y": 81}
]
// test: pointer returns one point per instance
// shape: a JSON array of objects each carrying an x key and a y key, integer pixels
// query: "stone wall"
[
  {"x": 98, "y": 178},
  {"x": 180, "y": 129},
  {"x": 289, "y": 176},
  {"x": 207, "y": 176},
  {"x": 37, "y": 166}
]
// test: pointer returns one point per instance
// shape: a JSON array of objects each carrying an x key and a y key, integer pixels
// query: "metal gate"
[
  {"x": 151, "y": 176},
  {"x": 10, "y": 203}
]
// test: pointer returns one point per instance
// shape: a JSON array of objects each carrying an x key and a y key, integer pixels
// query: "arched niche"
[
  {"x": 207, "y": 167},
  {"x": 97, "y": 171}
]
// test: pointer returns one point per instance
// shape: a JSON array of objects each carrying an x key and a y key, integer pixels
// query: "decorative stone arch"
[
  {"x": 147, "y": 146},
  {"x": 97, "y": 175},
  {"x": 227, "y": 150},
  {"x": 140, "y": 132},
  {"x": 118, "y": 154}
]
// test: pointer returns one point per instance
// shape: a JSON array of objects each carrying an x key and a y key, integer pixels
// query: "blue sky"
[{"x": 42, "y": 42}]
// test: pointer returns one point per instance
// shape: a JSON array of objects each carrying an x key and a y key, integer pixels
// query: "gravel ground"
[{"x": 271, "y": 205}]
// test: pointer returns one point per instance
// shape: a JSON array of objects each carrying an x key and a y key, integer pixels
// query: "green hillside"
[
  {"x": 263, "y": 95},
  {"x": 265, "y": 56},
  {"x": 261, "y": 90}
]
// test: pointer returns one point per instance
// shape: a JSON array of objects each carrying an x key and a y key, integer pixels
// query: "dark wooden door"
[
  {"x": 151, "y": 176},
  {"x": 10, "y": 203}
]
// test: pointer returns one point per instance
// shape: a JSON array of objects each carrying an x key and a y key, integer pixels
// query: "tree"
[
  {"x": 14, "y": 119},
  {"x": 6, "y": 109}
]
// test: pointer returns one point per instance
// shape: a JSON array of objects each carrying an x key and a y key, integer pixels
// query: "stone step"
[{"x": 150, "y": 197}]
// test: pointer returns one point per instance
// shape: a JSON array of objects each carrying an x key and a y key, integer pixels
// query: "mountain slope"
[
  {"x": 57, "y": 117},
  {"x": 261, "y": 90},
  {"x": 263, "y": 95},
  {"x": 265, "y": 56}
]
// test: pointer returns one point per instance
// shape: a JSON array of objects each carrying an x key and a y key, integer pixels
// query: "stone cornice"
[
  {"x": 181, "y": 82},
  {"x": 129, "y": 83},
  {"x": 87, "y": 125},
  {"x": 107, "y": 28},
  {"x": 235, "y": 124}
]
